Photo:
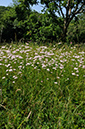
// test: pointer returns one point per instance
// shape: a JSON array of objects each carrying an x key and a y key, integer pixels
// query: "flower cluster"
[{"x": 52, "y": 60}]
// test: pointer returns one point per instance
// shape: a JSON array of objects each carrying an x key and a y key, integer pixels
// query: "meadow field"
[{"x": 42, "y": 86}]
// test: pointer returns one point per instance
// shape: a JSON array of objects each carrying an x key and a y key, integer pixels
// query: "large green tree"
[
  {"x": 23, "y": 11},
  {"x": 66, "y": 9},
  {"x": 76, "y": 30},
  {"x": 22, "y": 8},
  {"x": 8, "y": 22},
  {"x": 3, "y": 9}
]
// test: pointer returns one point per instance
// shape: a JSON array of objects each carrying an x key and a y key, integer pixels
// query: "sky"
[{"x": 9, "y": 3}]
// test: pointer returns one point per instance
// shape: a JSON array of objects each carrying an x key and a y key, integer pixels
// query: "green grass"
[{"x": 42, "y": 86}]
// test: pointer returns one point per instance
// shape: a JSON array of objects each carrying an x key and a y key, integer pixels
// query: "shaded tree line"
[{"x": 19, "y": 22}]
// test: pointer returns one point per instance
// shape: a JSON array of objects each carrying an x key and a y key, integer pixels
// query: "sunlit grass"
[{"x": 42, "y": 86}]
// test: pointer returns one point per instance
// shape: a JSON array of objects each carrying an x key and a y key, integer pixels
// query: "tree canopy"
[
  {"x": 62, "y": 20},
  {"x": 67, "y": 9}
]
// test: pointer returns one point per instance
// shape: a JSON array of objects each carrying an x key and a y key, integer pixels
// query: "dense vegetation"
[
  {"x": 19, "y": 22},
  {"x": 42, "y": 86},
  {"x": 42, "y": 67}
]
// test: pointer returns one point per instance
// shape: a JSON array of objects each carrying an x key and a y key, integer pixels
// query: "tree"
[
  {"x": 76, "y": 30},
  {"x": 9, "y": 22},
  {"x": 66, "y": 10},
  {"x": 23, "y": 11},
  {"x": 22, "y": 8},
  {"x": 3, "y": 9}
]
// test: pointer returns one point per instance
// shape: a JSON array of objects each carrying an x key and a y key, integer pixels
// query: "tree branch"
[
  {"x": 75, "y": 12},
  {"x": 67, "y": 8},
  {"x": 76, "y": 7},
  {"x": 61, "y": 10},
  {"x": 79, "y": 9}
]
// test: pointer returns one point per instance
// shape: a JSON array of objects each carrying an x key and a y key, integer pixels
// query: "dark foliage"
[{"x": 20, "y": 22}]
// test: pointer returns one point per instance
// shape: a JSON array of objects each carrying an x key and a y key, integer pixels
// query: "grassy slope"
[{"x": 42, "y": 87}]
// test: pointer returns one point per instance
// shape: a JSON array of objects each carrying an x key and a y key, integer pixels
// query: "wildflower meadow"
[{"x": 42, "y": 86}]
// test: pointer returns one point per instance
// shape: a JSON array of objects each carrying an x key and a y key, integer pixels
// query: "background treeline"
[{"x": 20, "y": 24}]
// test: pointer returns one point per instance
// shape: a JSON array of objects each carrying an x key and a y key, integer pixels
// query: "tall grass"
[{"x": 42, "y": 86}]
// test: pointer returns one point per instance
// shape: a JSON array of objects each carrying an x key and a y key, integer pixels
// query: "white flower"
[
  {"x": 47, "y": 78},
  {"x": 3, "y": 47},
  {"x": 20, "y": 66},
  {"x": 48, "y": 69},
  {"x": 20, "y": 57},
  {"x": 37, "y": 62},
  {"x": 73, "y": 59},
  {"x": 7, "y": 70},
  {"x": 61, "y": 67},
  {"x": 54, "y": 68},
  {"x": 1, "y": 64},
  {"x": 75, "y": 68},
  {"x": 35, "y": 67},
  {"x": 15, "y": 77},
  {"x": 73, "y": 74},
  {"x": 14, "y": 52},
  {"x": 14, "y": 69},
  {"x": 17, "y": 50},
  {"x": 27, "y": 64},
  {"x": 61, "y": 60},
  {"x": 13, "y": 57},
  {"x": 36, "y": 53},
  {"x": 10, "y": 70},
  {"x": 55, "y": 83},
  {"x": 83, "y": 66},
  {"x": 58, "y": 77},
  {"x": 3, "y": 77},
  {"x": 19, "y": 72},
  {"x": 77, "y": 57},
  {"x": 77, "y": 71},
  {"x": 59, "y": 43},
  {"x": 67, "y": 78}
]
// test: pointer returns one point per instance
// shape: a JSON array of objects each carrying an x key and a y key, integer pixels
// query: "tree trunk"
[
  {"x": 65, "y": 28},
  {"x": 64, "y": 31},
  {"x": 1, "y": 34}
]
